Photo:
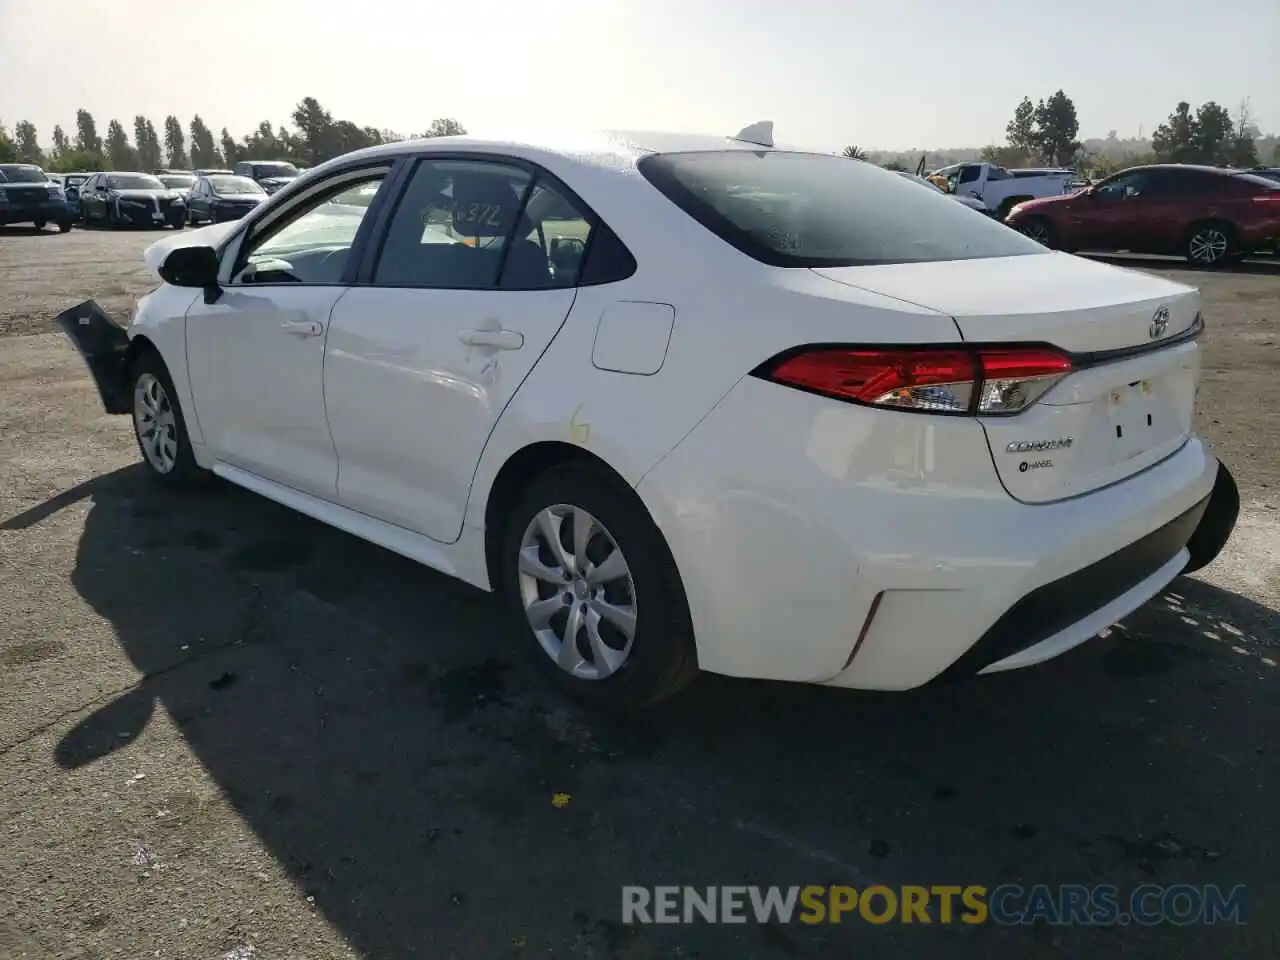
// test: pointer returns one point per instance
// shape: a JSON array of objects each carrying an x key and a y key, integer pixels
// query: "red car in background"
[{"x": 1207, "y": 214}]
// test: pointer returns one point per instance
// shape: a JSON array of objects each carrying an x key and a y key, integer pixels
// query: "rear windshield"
[
  {"x": 818, "y": 210},
  {"x": 1267, "y": 179},
  {"x": 21, "y": 173},
  {"x": 264, "y": 170},
  {"x": 236, "y": 185}
]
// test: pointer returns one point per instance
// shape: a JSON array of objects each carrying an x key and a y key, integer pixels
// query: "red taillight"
[{"x": 982, "y": 380}]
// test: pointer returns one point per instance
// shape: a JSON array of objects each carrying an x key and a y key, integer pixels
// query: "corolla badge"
[
  {"x": 1159, "y": 324},
  {"x": 1030, "y": 446}
]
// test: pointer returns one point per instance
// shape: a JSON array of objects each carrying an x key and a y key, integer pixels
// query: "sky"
[{"x": 882, "y": 75}]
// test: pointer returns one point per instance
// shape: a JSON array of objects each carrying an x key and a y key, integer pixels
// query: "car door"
[
  {"x": 89, "y": 199},
  {"x": 195, "y": 201},
  {"x": 423, "y": 357},
  {"x": 1107, "y": 218},
  {"x": 256, "y": 353},
  {"x": 968, "y": 181},
  {"x": 1153, "y": 214}
]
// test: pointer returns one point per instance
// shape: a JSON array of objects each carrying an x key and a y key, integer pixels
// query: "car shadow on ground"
[
  {"x": 371, "y": 723},
  {"x": 1262, "y": 266}
]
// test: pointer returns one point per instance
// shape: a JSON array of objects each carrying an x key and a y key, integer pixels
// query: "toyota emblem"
[{"x": 1159, "y": 324}]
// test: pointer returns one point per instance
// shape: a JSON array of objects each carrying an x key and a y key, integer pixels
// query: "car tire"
[
  {"x": 159, "y": 426},
  {"x": 1210, "y": 243},
  {"x": 39, "y": 224},
  {"x": 606, "y": 666},
  {"x": 64, "y": 226},
  {"x": 1040, "y": 230}
]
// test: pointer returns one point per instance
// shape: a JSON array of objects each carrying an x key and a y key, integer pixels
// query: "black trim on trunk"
[
  {"x": 1057, "y": 605},
  {"x": 105, "y": 346}
]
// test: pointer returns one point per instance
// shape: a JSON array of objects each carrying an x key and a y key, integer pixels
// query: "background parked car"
[
  {"x": 71, "y": 184},
  {"x": 139, "y": 199},
  {"x": 179, "y": 181},
  {"x": 223, "y": 197},
  {"x": 209, "y": 171},
  {"x": 1002, "y": 189},
  {"x": 1207, "y": 214},
  {"x": 31, "y": 197},
  {"x": 270, "y": 174}
]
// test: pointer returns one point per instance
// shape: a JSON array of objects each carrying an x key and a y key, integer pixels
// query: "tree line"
[
  {"x": 314, "y": 138},
  {"x": 1046, "y": 132}
]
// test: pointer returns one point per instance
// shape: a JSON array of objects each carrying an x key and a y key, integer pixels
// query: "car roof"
[
  {"x": 600, "y": 148},
  {"x": 1196, "y": 167}
]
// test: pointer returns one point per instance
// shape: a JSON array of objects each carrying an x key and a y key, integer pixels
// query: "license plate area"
[{"x": 1132, "y": 414}]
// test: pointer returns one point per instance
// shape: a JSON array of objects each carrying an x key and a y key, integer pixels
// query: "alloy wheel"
[
  {"x": 157, "y": 426},
  {"x": 577, "y": 592},
  {"x": 1208, "y": 245},
  {"x": 1037, "y": 231}
]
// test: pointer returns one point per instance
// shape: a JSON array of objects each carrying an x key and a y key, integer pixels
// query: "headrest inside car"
[{"x": 484, "y": 206}]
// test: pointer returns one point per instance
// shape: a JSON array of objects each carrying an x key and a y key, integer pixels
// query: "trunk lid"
[{"x": 1128, "y": 404}]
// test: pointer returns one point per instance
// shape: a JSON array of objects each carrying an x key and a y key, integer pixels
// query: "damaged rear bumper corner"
[{"x": 104, "y": 345}]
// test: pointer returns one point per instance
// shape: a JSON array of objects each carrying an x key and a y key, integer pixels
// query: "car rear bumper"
[
  {"x": 828, "y": 543},
  {"x": 148, "y": 215}
]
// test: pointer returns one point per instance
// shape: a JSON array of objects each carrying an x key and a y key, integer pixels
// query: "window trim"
[
  {"x": 263, "y": 220},
  {"x": 537, "y": 174}
]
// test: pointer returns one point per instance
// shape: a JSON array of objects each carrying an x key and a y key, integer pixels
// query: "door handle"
[
  {"x": 494, "y": 339},
  {"x": 303, "y": 328}
]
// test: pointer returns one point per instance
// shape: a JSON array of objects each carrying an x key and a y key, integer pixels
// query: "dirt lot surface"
[{"x": 228, "y": 731}]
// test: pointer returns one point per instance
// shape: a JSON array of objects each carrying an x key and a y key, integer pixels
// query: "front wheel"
[
  {"x": 1210, "y": 244},
  {"x": 590, "y": 577},
  {"x": 158, "y": 425},
  {"x": 1038, "y": 229}
]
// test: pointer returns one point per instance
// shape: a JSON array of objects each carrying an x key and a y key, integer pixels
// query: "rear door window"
[
  {"x": 810, "y": 210},
  {"x": 452, "y": 225}
]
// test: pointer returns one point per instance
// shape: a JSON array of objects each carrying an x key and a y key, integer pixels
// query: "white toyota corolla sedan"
[{"x": 688, "y": 402}]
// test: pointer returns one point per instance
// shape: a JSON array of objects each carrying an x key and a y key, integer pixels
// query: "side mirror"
[
  {"x": 190, "y": 267},
  {"x": 1089, "y": 192}
]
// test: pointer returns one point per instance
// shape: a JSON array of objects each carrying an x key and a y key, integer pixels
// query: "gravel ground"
[{"x": 226, "y": 730}]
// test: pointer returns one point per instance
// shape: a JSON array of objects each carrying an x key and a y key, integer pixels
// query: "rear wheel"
[
  {"x": 1210, "y": 244},
  {"x": 588, "y": 574},
  {"x": 1038, "y": 229},
  {"x": 158, "y": 424}
]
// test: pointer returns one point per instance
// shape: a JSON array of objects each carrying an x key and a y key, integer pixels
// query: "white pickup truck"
[{"x": 999, "y": 188}]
